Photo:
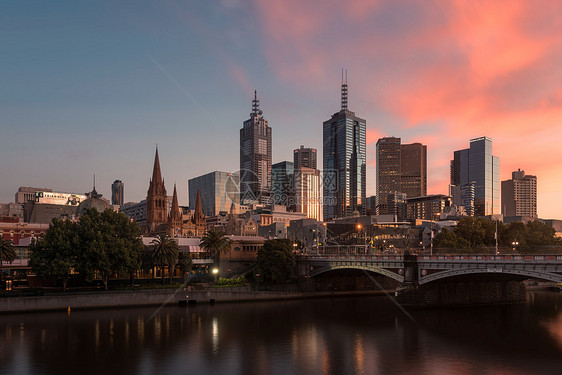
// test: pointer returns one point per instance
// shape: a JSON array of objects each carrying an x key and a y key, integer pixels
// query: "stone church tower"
[
  {"x": 156, "y": 201},
  {"x": 175, "y": 221}
]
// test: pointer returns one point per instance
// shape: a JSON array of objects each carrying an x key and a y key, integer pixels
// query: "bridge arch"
[
  {"x": 548, "y": 276},
  {"x": 368, "y": 268}
]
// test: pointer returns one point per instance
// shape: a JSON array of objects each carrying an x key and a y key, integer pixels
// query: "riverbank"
[{"x": 157, "y": 297}]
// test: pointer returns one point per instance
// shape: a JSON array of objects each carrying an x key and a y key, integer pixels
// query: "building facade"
[
  {"x": 283, "y": 189},
  {"x": 428, "y": 207},
  {"x": 413, "y": 169},
  {"x": 218, "y": 191},
  {"x": 27, "y": 193},
  {"x": 344, "y": 174},
  {"x": 117, "y": 193},
  {"x": 255, "y": 157},
  {"x": 305, "y": 157},
  {"x": 400, "y": 168},
  {"x": 519, "y": 195},
  {"x": 477, "y": 166},
  {"x": 388, "y": 171},
  {"x": 308, "y": 198}
]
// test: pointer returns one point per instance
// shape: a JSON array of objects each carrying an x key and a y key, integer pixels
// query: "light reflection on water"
[{"x": 360, "y": 335}]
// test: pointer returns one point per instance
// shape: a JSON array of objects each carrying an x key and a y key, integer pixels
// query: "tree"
[
  {"x": 186, "y": 263},
  {"x": 276, "y": 260},
  {"x": 471, "y": 229},
  {"x": 215, "y": 242},
  {"x": 109, "y": 244},
  {"x": 165, "y": 251},
  {"x": 7, "y": 251},
  {"x": 54, "y": 254}
]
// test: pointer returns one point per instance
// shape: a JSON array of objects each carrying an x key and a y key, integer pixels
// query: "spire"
[
  {"x": 175, "y": 205},
  {"x": 198, "y": 208},
  {"x": 156, "y": 174},
  {"x": 343, "y": 90},
  {"x": 256, "y": 112}
]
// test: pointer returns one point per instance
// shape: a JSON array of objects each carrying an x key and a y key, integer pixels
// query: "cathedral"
[{"x": 175, "y": 223}]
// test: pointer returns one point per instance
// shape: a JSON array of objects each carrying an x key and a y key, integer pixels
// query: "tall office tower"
[
  {"x": 388, "y": 171},
  {"x": 400, "y": 169},
  {"x": 344, "y": 172},
  {"x": 307, "y": 192},
  {"x": 283, "y": 184},
  {"x": 255, "y": 157},
  {"x": 156, "y": 199},
  {"x": 217, "y": 191},
  {"x": 305, "y": 157},
  {"x": 117, "y": 193},
  {"x": 477, "y": 166},
  {"x": 413, "y": 170},
  {"x": 519, "y": 195}
]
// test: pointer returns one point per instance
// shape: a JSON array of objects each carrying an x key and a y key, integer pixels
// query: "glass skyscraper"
[
  {"x": 477, "y": 166},
  {"x": 344, "y": 175},
  {"x": 217, "y": 190},
  {"x": 283, "y": 184}
]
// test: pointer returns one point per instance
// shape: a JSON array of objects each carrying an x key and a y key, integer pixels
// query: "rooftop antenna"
[
  {"x": 255, "y": 105},
  {"x": 343, "y": 90},
  {"x": 94, "y": 181}
]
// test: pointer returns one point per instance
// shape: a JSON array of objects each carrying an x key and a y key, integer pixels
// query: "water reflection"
[{"x": 326, "y": 336}]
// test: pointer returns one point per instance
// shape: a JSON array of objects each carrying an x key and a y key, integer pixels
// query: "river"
[{"x": 354, "y": 335}]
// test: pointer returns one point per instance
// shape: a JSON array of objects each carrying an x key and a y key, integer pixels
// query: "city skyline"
[{"x": 93, "y": 88}]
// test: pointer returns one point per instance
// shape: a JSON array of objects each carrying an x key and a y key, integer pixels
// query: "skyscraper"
[
  {"x": 117, "y": 193},
  {"x": 305, "y": 157},
  {"x": 307, "y": 192},
  {"x": 400, "y": 169},
  {"x": 388, "y": 171},
  {"x": 519, "y": 195},
  {"x": 344, "y": 172},
  {"x": 216, "y": 192},
  {"x": 413, "y": 170},
  {"x": 478, "y": 167},
  {"x": 283, "y": 184},
  {"x": 255, "y": 157}
]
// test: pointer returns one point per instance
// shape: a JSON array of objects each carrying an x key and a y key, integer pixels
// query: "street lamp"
[
  {"x": 258, "y": 281},
  {"x": 215, "y": 272},
  {"x": 514, "y": 245}
]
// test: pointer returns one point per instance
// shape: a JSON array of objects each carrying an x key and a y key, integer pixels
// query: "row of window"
[
  {"x": 12, "y": 233},
  {"x": 247, "y": 248}
]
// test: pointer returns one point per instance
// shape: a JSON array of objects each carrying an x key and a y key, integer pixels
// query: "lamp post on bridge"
[{"x": 365, "y": 236}]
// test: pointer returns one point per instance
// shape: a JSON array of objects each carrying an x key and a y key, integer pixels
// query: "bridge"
[{"x": 438, "y": 275}]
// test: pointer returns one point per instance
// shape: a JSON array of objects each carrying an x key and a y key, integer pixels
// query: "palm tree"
[
  {"x": 165, "y": 251},
  {"x": 215, "y": 242},
  {"x": 7, "y": 251}
]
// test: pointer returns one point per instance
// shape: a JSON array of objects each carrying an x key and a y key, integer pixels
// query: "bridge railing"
[
  {"x": 348, "y": 257},
  {"x": 487, "y": 258}
]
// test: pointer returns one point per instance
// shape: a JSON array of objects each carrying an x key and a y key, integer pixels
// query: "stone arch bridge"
[{"x": 461, "y": 277}]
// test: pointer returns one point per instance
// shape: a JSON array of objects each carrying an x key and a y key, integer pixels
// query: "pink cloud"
[{"x": 465, "y": 68}]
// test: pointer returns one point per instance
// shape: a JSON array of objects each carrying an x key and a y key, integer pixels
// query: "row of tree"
[
  {"x": 474, "y": 233},
  {"x": 100, "y": 245}
]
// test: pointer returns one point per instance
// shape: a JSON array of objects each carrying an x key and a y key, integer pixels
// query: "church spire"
[
  {"x": 156, "y": 174},
  {"x": 198, "y": 208},
  {"x": 175, "y": 205}
]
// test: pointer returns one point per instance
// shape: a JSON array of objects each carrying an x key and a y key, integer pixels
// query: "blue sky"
[{"x": 92, "y": 87}]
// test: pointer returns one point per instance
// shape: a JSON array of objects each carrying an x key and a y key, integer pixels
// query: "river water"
[{"x": 354, "y": 335}]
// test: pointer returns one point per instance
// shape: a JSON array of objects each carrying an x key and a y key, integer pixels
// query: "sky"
[{"x": 92, "y": 87}]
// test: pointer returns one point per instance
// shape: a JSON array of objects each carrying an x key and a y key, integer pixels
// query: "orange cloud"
[{"x": 456, "y": 69}]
